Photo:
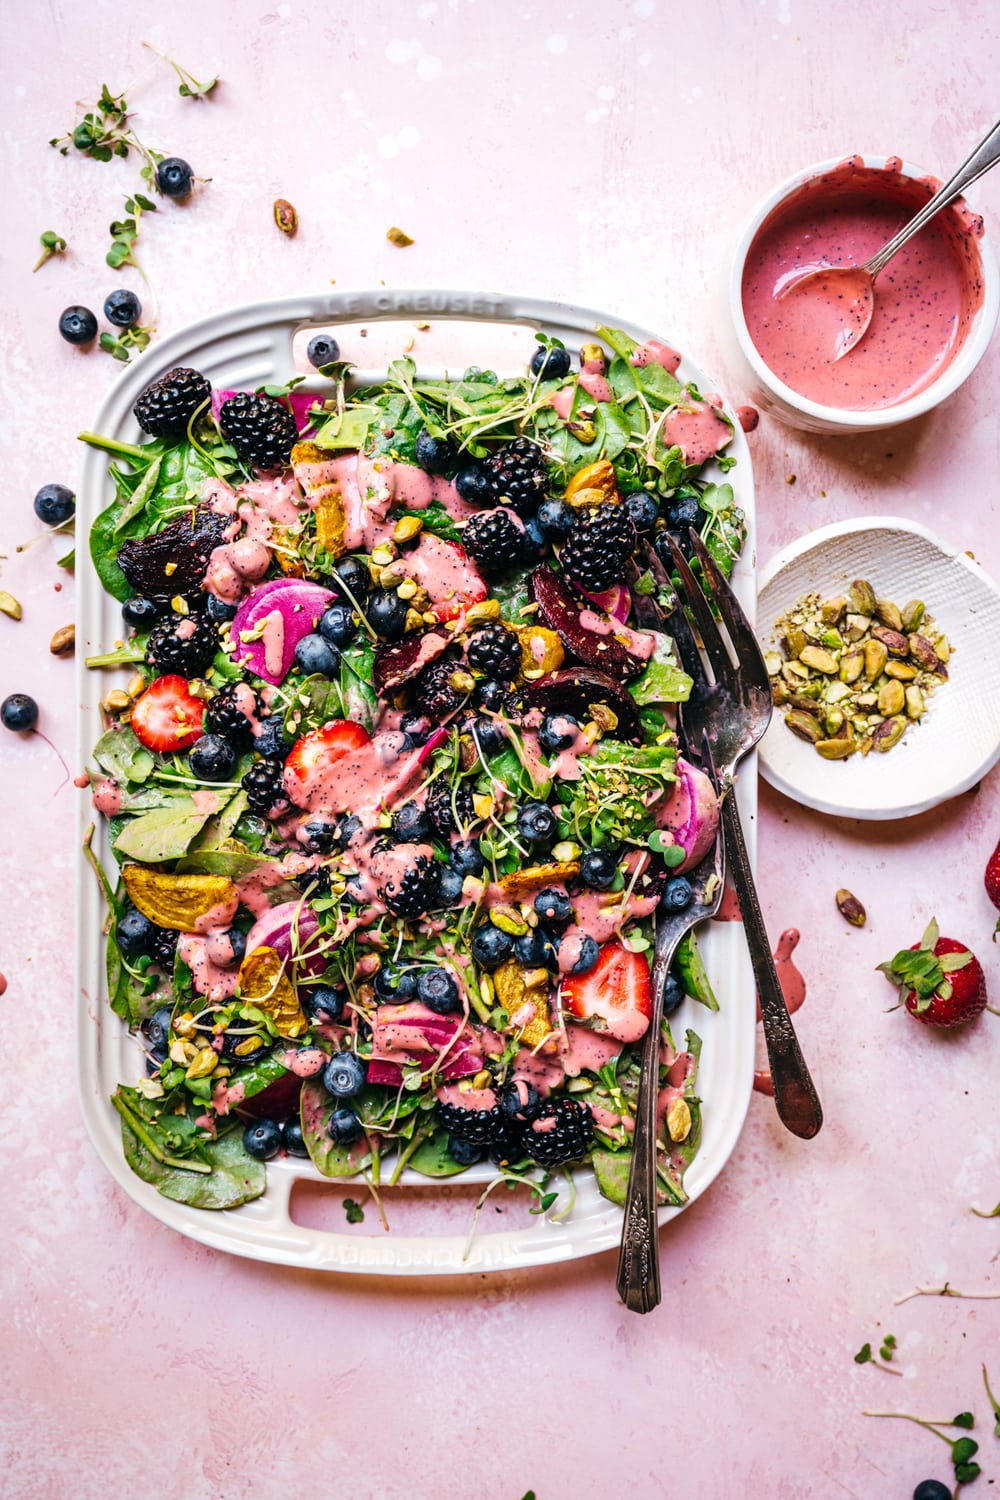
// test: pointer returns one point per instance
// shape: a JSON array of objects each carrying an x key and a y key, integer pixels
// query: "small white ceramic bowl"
[
  {"x": 772, "y": 395},
  {"x": 957, "y": 740}
]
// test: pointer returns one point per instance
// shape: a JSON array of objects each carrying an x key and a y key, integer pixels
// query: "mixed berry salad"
[{"x": 394, "y": 790}]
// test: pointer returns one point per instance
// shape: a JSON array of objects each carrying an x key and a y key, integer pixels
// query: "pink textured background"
[{"x": 605, "y": 154}]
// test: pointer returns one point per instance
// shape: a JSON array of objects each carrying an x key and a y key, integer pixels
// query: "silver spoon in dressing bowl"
[{"x": 849, "y": 291}]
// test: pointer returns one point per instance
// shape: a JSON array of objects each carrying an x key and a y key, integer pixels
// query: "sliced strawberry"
[
  {"x": 940, "y": 981},
  {"x": 320, "y": 749},
  {"x": 168, "y": 716},
  {"x": 616, "y": 997}
]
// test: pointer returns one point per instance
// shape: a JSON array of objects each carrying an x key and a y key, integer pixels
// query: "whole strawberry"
[
  {"x": 940, "y": 981},
  {"x": 991, "y": 880}
]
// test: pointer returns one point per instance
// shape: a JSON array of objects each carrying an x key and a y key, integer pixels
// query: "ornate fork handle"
[
  {"x": 795, "y": 1096},
  {"x": 638, "y": 1259}
]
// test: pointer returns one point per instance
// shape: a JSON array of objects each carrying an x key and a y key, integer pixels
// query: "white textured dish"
[
  {"x": 958, "y": 740},
  {"x": 245, "y": 347}
]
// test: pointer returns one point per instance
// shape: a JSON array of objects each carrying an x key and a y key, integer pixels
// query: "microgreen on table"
[
  {"x": 190, "y": 88},
  {"x": 886, "y": 1351},
  {"x": 963, "y": 1450},
  {"x": 52, "y": 244}
]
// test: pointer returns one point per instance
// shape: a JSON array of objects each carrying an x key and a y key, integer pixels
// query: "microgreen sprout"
[
  {"x": 944, "y": 1291},
  {"x": 125, "y": 232},
  {"x": 887, "y": 1348},
  {"x": 963, "y": 1450},
  {"x": 354, "y": 1211},
  {"x": 190, "y": 88},
  {"x": 120, "y": 348},
  {"x": 52, "y": 244},
  {"x": 994, "y": 1403}
]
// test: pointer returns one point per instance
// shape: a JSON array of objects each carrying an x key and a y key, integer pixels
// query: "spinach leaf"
[
  {"x": 317, "y": 700},
  {"x": 120, "y": 754},
  {"x": 235, "y": 1176},
  {"x": 316, "y": 1107},
  {"x": 662, "y": 680},
  {"x": 165, "y": 833},
  {"x": 433, "y": 1159},
  {"x": 439, "y": 523},
  {"x": 104, "y": 553},
  {"x": 359, "y": 698}
]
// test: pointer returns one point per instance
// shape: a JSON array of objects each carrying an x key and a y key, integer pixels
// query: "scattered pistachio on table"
[
  {"x": 850, "y": 908},
  {"x": 853, "y": 672}
]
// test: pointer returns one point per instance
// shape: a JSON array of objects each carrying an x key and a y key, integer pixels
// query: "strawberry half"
[
  {"x": 940, "y": 981},
  {"x": 320, "y": 749},
  {"x": 616, "y": 997},
  {"x": 168, "y": 716},
  {"x": 991, "y": 880}
]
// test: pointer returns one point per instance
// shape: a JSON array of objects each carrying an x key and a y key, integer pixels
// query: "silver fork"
[
  {"x": 638, "y": 1257},
  {"x": 733, "y": 711}
]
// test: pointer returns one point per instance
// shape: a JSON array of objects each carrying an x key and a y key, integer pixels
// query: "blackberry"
[
  {"x": 480, "y": 1127},
  {"x": 450, "y": 809},
  {"x": 265, "y": 788},
  {"x": 595, "y": 554},
  {"x": 165, "y": 408},
  {"x": 224, "y": 717},
  {"x": 436, "y": 698},
  {"x": 415, "y": 893},
  {"x": 561, "y": 1131},
  {"x": 496, "y": 652},
  {"x": 493, "y": 540},
  {"x": 163, "y": 948},
  {"x": 190, "y": 653},
  {"x": 517, "y": 476},
  {"x": 260, "y": 428}
]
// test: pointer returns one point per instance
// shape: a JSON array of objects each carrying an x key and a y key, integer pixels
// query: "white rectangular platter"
[{"x": 245, "y": 347}]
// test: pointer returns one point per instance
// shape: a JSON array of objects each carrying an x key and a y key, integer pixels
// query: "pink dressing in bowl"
[{"x": 926, "y": 298}]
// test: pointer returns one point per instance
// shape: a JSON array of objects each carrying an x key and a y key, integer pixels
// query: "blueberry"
[
  {"x": 556, "y": 518},
  {"x": 536, "y": 823},
  {"x": 78, "y": 325},
  {"x": 291, "y": 1138},
  {"x": 677, "y": 894},
  {"x": 345, "y": 1075},
  {"x": 473, "y": 485},
  {"x": 395, "y": 986},
  {"x": 598, "y": 868},
  {"x": 520, "y": 1101},
  {"x": 354, "y": 575},
  {"x": 387, "y": 614},
  {"x": 416, "y": 727},
  {"x": 346, "y": 831},
  {"x": 436, "y": 988},
  {"x": 433, "y": 453},
  {"x": 54, "y": 504},
  {"x": 140, "y": 613},
  {"x": 550, "y": 364},
  {"x": 589, "y": 953},
  {"x": 467, "y": 859},
  {"x": 157, "y": 1030},
  {"x": 262, "y": 1139},
  {"x": 535, "y": 539},
  {"x": 491, "y": 947},
  {"x": 213, "y": 758},
  {"x": 321, "y": 835},
  {"x": 489, "y": 695},
  {"x": 271, "y": 742},
  {"x": 535, "y": 950},
  {"x": 238, "y": 942},
  {"x": 553, "y": 905},
  {"x": 219, "y": 611},
  {"x": 323, "y": 350},
  {"x": 450, "y": 885},
  {"x": 19, "y": 712},
  {"x": 642, "y": 510},
  {"x": 344, "y": 1127},
  {"x": 490, "y": 736},
  {"x": 323, "y": 1004},
  {"x": 338, "y": 625},
  {"x": 683, "y": 511},
  {"x": 134, "y": 933},
  {"x": 673, "y": 994},
  {"x": 411, "y": 824},
  {"x": 316, "y": 656},
  {"x": 173, "y": 177},
  {"x": 558, "y": 732},
  {"x": 932, "y": 1489},
  {"x": 122, "y": 308},
  {"x": 466, "y": 1153}
]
